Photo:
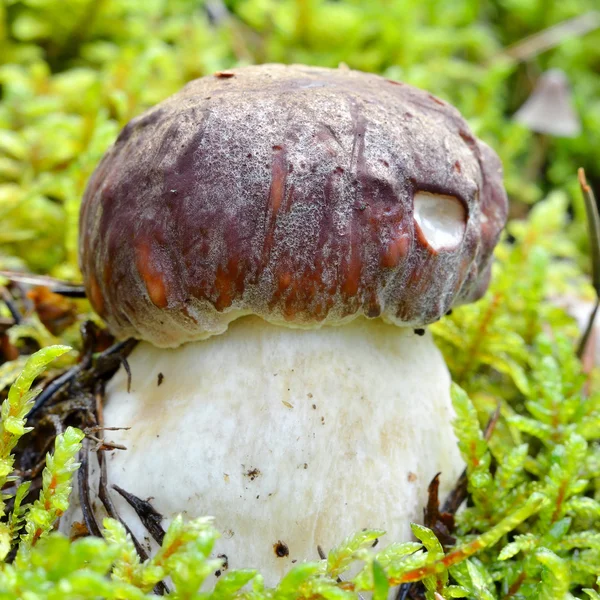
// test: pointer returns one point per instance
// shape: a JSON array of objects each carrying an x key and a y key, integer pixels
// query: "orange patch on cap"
[
  {"x": 278, "y": 178},
  {"x": 353, "y": 272},
  {"x": 289, "y": 308},
  {"x": 284, "y": 280},
  {"x": 394, "y": 251},
  {"x": 96, "y": 296},
  {"x": 224, "y": 284},
  {"x": 152, "y": 277}
]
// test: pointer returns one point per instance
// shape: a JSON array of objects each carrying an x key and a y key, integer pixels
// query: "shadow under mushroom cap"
[{"x": 306, "y": 196}]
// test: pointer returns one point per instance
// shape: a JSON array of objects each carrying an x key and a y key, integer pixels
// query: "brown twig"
[
  {"x": 84, "y": 491},
  {"x": 148, "y": 515},
  {"x": 102, "y": 483},
  {"x": 44, "y": 447},
  {"x": 15, "y": 313},
  {"x": 125, "y": 365},
  {"x": 86, "y": 371},
  {"x": 102, "y": 444},
  {"x": 517, "y": 583},
  {"x": 55, "y": 386},
  {"x": 58, "y": 286},
  {"x": 72, "y": 398},
  {"x": 440, "y": 522},
  {"x": 403, "y": 591},
  {"x": 108, "y": 361},
  {"x": 98, "y": 428}
]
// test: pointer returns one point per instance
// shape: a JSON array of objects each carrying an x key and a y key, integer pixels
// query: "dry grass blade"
[
  {"x": 553, "y": 36},
  {"x": 591, "y": 208}
]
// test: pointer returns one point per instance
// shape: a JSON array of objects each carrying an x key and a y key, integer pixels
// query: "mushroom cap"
[
  {"x": 550, "y": 108},
  {"x": 306, "y": 196}
]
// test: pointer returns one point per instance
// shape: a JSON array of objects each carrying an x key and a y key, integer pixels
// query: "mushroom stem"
[
  {"x": 290, "y": 438},
  {"x": 538, "y": 155}
]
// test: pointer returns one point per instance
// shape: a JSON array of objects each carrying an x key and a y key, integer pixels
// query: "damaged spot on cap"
[{"x": 440, "y": 220}]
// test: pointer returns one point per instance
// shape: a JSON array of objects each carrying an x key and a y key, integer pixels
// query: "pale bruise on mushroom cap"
[{"x": 297, "y": 198}]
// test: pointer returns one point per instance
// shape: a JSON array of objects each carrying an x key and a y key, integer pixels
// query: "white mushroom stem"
[{"x": 289, "y": 438}]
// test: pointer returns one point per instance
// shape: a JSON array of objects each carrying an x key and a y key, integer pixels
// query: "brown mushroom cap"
[{"x": 287, "y": 192}]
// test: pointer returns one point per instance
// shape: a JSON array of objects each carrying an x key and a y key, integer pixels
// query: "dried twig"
[
  {"x": 98, "y": 428},
  {"x": 102, "y": 484},
  {"x": 148, "y": 515},
  {"x": 15, "y": 313},
  {"x": 441, "y": 523},
  {"x": 87, "y": 370},
  {"x": 58, "y": 286},
  {"x": 88, "y": 333},
  {"x": 403, "y": 591},
  {"x": 552, "y": 36},
  {"x": 410, "y": 591},
  {"x": 55, "y": 386},
  {"x": 108, "y": 361},
  {"x": 84, "y": 491},
  {"x": 102, "y": 444},
  {"x": 125, "y": 365}
]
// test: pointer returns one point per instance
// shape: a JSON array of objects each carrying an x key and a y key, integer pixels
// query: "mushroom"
[
  {"x": 278, "y": 237},
  {"x": 549, "y": 110}
]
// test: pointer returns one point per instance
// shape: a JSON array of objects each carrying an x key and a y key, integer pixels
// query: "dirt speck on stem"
[{"x": 281, "y": 549}]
